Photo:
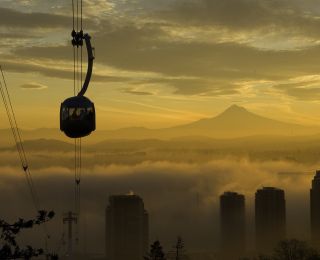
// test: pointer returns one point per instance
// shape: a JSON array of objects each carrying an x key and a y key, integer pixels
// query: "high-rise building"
[
  {"x": 127, "y": 228},
  {"x": 232, "y": 225},
  {"x": 315, "y": 210},
  {"x": 270, "y": 218}
]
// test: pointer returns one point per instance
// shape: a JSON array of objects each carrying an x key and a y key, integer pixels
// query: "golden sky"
[{"x": 164, "y": 63}]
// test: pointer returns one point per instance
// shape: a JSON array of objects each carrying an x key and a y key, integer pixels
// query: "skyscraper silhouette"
[
  {"x": 127, "y": 228},
  {"x": 232, "y": 225},
  {"x": 315, "y": 210},
  {"x": 270, "y": 218}
]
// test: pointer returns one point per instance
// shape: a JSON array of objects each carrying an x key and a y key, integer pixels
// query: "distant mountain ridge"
[
  {"x": 119, "y": 146},
  {"x": 234, "y": 122}
]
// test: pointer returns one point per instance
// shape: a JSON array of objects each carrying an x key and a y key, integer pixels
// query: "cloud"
[
  {"x": 245, "y": 15},
  {"x": 136, "y": 49},
  {"x": 16, "y": 35},
  {"x": 64, "y": 72},
  {"x": 166, "y": 188},
  {"x": 188, "y": 67},
  {"x": 136, "y": 92},
  {"x": 143, "y": 49},
  {"x": 306, "y": 89},
  {"x": 33, "y": 86},
  {"x": 200, "y": 86},
  {"x": 13, "y": 18},
  {"x": 98, "y": 8}
]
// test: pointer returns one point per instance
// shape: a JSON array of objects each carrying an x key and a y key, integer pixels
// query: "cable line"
[
  {"x": 18, "y": 140},
  {"x": 77, "y": 43},
  {"x": 77, "y": 113},
  {"x": 20, "y": 148}
]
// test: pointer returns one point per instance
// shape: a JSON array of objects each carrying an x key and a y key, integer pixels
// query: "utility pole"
[
  {"x": 70, "y": 218},
  {"x": 179, "y": 247}
]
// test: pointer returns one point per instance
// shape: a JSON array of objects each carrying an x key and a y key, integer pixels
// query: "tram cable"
[
  {"x": 77, "y": 86},
  {"x": 20, "y": 147},
  {"x": 77, "y": 113},
  {"x": 18, "y": 140}
]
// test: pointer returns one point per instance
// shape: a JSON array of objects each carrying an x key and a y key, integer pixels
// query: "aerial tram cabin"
[
  {"x": 77, "y": 114},
  {"x": 77, "y": 117}
]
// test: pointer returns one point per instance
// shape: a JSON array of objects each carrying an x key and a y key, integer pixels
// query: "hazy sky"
[{"x": 163, "y": 63}]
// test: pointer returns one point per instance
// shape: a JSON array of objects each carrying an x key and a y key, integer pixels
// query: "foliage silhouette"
[
  {"x": 291, "y": 249},
  {"x": 156, "y": 252},
  {"x": 9, "y": 248},
  {"x": 294, "y": 250}
]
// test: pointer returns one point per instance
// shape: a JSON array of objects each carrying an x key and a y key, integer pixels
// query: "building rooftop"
[
  {"x": 317, "y": 174},
  {"x": 231, "y": 193},
  {"x": 270, "y": 189}
]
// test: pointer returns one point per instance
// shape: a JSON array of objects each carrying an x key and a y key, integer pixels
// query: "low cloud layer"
[{"x": 166, "y": 188}]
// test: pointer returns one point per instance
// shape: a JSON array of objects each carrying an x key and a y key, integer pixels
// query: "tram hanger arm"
[{"x": 85, "y": 86}]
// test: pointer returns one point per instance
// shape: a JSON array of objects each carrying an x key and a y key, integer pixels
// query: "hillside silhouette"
[{"x": 234, "y": 122}]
